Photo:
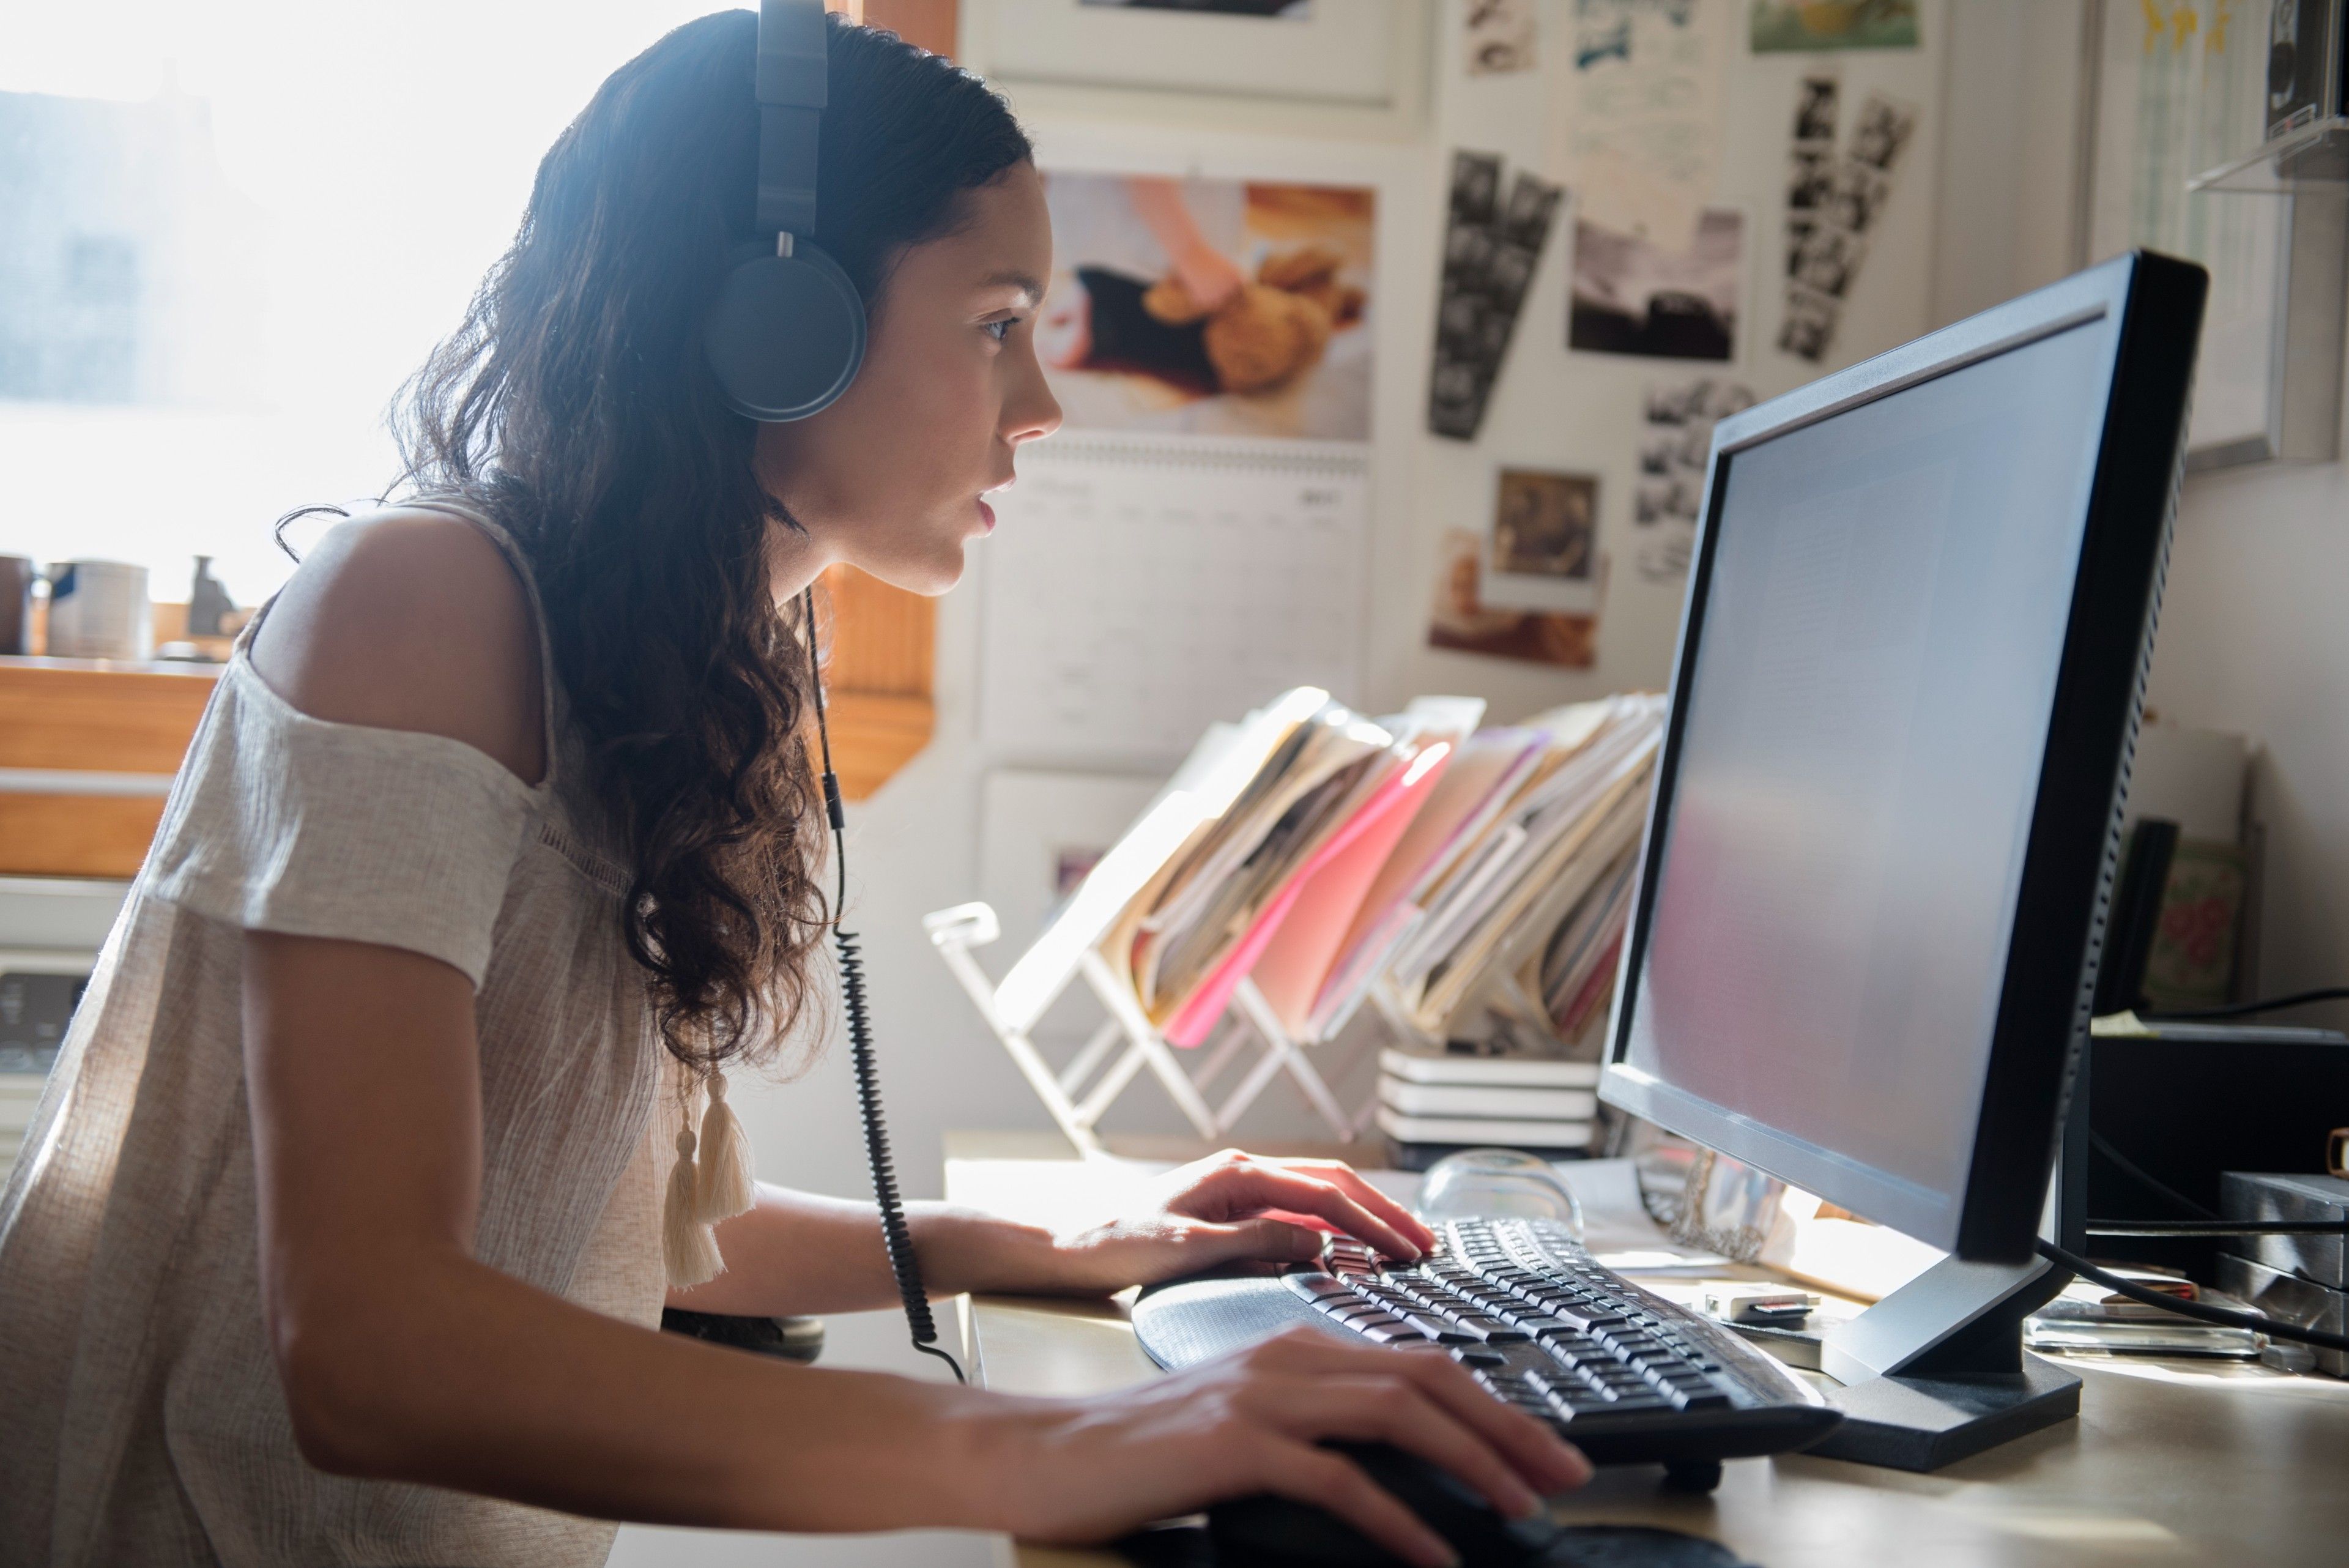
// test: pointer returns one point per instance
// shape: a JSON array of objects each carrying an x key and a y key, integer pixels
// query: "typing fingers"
[
  {"x": 1253, "y": 1186},
  {"x": 1349, "y": 1181},
  {"x": 1546, "y": 1461},
  {"x": 1550, "y": 1463}
]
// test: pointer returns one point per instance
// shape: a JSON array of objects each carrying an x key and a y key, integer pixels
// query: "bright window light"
[{"x": 312, "y": 190}]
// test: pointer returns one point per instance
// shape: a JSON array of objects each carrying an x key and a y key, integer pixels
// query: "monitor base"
[
  {"x": 1935, "y": 1370},
  {"x": 1924, "y": 1423}
]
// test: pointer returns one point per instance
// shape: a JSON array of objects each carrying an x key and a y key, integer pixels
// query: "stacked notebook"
[
  {"x": 1478, "y": 880},
  {"x": 1432, "y": 1102}
]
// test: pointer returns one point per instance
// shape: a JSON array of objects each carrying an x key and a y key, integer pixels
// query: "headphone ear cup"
[{"x": 786, "y": 335}]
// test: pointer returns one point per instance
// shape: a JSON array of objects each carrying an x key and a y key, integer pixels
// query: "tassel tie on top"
[{"x": 701, "y": 1192}]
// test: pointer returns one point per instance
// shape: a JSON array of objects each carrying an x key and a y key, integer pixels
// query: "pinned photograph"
[
  {"x": 1500, "y": 37},
  {"x": 1882, "y": 134},
  {"x": 1462, "y": 621},
  {"x": 1856, "y": 194},
  {"x": 1800, "y": 27},
  {"x": 1491, "y": 249},
  {"x": 1809, "y": 325},
  {"x": 1286, "y": 10},
  {"x": 1543, "y": 552},
  {"x": 1827, "y": 257},
  {"x": 1631, "y": 297},
  {"x": 1832, "y": 202},
  {"x": 1810, "y": 178},
  {"x": 1209, "y": 306},
  {"x": 1814, "y": 108},
  {"x": 1676, "y": 444}
]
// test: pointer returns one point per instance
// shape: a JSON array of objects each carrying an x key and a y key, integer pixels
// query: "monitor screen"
[{"x": 1864, "y": 719}]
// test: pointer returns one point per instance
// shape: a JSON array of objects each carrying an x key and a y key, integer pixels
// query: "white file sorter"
[{"x": 1080, "y": 1092}]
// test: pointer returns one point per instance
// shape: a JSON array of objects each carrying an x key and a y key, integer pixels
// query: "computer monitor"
[{"x": 1889, "y": 801}]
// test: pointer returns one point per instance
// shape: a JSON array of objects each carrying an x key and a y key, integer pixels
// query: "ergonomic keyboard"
[{"x": 1626, "y": 1376}]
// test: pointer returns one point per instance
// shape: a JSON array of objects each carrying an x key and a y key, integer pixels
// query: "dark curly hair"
[{"x": 575, "y": 405}]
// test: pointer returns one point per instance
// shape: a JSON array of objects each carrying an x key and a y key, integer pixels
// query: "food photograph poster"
[{"x": 1223, "y": 308}]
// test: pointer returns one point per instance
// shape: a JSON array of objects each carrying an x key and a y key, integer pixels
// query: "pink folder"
[
  {"x": 1299, "y": 956},
  {"x": 1352, "y": 855}
]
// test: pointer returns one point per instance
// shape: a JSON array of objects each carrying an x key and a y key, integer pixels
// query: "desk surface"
[{"x": 2170, "y": 1461}]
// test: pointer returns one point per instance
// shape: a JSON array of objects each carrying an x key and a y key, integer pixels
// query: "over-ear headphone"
[{"x": 787, "y": 333}]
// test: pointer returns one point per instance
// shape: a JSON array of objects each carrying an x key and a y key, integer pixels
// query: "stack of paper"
[
  {"x": 1508, "y": 899},
  {"x": 1478, "y": 880},
  {"x": 1434, "y": 1101},
  {"x": 1273, "y": 878}
]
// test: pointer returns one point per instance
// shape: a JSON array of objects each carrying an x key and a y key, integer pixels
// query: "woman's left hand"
[{"x": 1233, "y": 1206}]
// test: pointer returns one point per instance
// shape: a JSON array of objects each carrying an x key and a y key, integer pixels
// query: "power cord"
[
  {"x": 896, "y": 1235},
  {"x": 2246, "y": 1009},
  {"x": 2145, "y": 1179},
  {"x": 2225, "y": 1317}
]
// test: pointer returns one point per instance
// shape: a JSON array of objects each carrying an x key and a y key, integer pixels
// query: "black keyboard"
[{"x": 1627, "y": 1375}]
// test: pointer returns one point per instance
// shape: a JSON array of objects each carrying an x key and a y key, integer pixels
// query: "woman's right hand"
[{"x": 1089, "y": 1469}]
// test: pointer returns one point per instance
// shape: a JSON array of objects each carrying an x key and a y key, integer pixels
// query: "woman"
[{"x": 340, "y": 1236}]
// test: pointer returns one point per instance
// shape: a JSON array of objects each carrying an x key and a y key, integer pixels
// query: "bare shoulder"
[{"x": 411, "y": 619}]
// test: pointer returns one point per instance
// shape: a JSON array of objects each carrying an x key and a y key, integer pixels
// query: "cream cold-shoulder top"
[{"x": 140, "y": 1415}]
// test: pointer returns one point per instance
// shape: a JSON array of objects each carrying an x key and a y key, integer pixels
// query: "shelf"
[{"x": 2311, "y": 160}]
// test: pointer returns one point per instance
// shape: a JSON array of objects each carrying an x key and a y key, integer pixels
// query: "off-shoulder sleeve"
[{"x": 280, "y": 822}]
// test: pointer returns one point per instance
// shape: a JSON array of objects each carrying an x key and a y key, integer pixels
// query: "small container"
[
  {"x": 16, "y": 574},
  {"x": 98, "y": 609},
  {"x": 1492, "y": 1183}
]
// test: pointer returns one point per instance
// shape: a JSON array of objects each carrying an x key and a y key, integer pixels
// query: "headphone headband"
[
  {"x": 786, "y": 333},
  {"x": 791, "y": 96}
]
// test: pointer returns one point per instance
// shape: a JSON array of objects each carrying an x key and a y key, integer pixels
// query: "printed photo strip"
[
  {"x": 1491, "y": 248},
  {"x": 1833, "y": 202}
]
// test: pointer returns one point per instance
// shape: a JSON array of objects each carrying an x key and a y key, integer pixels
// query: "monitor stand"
[{"x": 1937, "y": 1371}]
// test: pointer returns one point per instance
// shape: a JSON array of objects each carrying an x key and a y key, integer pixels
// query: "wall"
[
  {"x": 913, "y": 845},
  {"x": 2254, "y": 641}
]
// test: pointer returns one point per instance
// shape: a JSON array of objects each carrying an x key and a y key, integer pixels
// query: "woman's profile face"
[{"x": 891, "y": 477}]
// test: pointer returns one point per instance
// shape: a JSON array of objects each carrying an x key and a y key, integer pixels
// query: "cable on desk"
[
  {"x": 2225, "y": 1317},
  {"x": 2245, "y": 1008},
  {"x": 2144, "y": 1178}
]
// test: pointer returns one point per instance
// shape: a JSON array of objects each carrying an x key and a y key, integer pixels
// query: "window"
[{"x": 229, "y": 232}]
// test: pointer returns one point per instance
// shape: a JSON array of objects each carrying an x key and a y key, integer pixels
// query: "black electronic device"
[
  {"x": 786, "y": 334},
  {"x": 2135, "y": 916},
  {"x": 1880, "y": 854},
  {"x": 1627, "y": 1376},
  {"x": 2161, "y": 1115},
  {"x": 1863, "y": 949},
  {"x": 1266, "y": 1531},
  {"x": 895, "y": 1237}
]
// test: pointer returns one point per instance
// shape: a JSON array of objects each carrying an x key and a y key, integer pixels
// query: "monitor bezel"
[{"x": 2041, "y": 1020}]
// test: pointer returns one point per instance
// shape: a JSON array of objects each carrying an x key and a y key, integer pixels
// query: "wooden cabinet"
[
  {"x": 88, "y": 750},
  {"x": 87, "y": 753}
]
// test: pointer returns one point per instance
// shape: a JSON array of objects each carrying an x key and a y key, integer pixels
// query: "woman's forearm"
[
  {"x": 795, "y": 1252},
  {"x": 468, "y": 1378}
]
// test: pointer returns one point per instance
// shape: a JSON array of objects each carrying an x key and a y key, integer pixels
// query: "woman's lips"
[{"x": 986, "y": 515}]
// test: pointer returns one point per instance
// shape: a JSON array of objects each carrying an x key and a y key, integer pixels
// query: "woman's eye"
[{"x": 999, "y": 330}]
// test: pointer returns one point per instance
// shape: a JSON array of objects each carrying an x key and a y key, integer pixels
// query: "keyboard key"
[
  {"x": 1575, "y": 1314},
  {"x": 1429, "y": 1326},
  {"x": 1314, "y": 1286},
  {"x": 1387, "y": 1333},
  {"x": 1698, "y": 1400},
  {"x": 1470, "y": 1355}
]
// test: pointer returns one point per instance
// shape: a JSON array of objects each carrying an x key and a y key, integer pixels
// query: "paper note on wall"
[
  {"x": 1635, "y": 113},
  {"x": 1138, "y": 590}
]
